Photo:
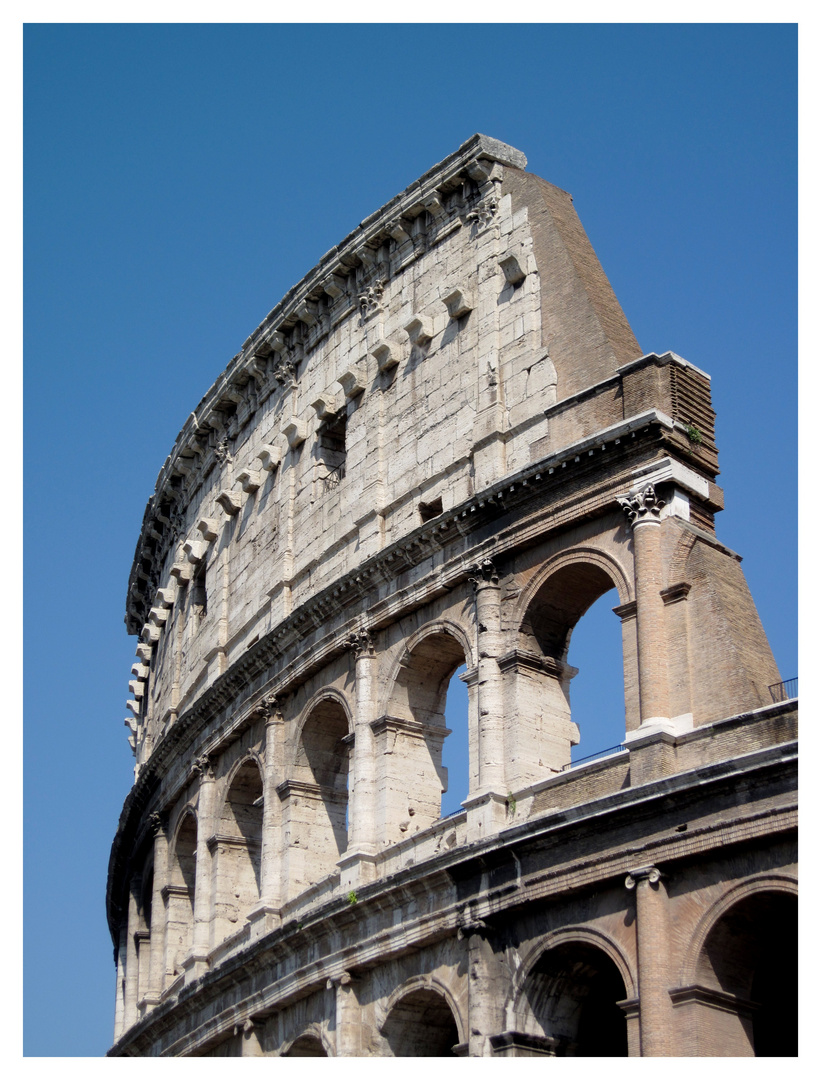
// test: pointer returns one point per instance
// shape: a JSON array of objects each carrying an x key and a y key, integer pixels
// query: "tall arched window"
[
  {"x": 547, "y": 727},
  {"x": 409, "y": 740},
  {"x": 180, "y": 895},
  {"x": 315, "y": 798},
  {"x": 239, "y": 850}
]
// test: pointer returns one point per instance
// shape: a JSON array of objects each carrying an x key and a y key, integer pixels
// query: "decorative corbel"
[
  {"x": 325, "y": 406},
  {"x": 514, "y": 267},
  {"x": 208, "y": 527},
  {"x": 386, "y": 354},
  {"x": 230, "y": 502},
  {"x": 249, "y": 480},
  {"x": 419, "y": 330},
  {"x": 353, "y": 381},
  {"x": 459, "y": 302},
  {"x": 295, "y": 431},
  {"x": 270, "y": 457}
]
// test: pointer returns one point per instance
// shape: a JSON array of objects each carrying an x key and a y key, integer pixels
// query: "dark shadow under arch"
[
  {"x": 421, "y": 1024},
  {"x": 573, "y": 992}
]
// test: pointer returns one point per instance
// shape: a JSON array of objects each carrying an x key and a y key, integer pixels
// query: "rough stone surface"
[{"x": 439, "y": 449}]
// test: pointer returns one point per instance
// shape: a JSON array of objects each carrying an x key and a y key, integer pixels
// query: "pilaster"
[
  {"x": 652, "y": 952},
  {"x": 196, "y": 963},
  {"x": 265, "y": 916}
]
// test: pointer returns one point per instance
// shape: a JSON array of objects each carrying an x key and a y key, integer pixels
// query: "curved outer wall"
[{"x": 438, "y": 450}]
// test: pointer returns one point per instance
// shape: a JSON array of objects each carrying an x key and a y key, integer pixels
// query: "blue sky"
[{"x": 180, "y": 178}]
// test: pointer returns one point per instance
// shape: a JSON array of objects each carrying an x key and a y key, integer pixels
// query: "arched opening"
[
  {"x": 573, "y": 993},
  {"x": 597, "y": 691},
  {"x": 410, "y": 738},
  {"x": 239, "y": 850},
  {"x": 180, "y": 893},
  {"x": 421, "y": 1024},
  {"x": 306, "y": 1046},
  {"x": 752, "y": 954},
  {"x": 455, "y": 749},
  {"x": 316, "y": 798},
  {"x": 547, "y": 727}
]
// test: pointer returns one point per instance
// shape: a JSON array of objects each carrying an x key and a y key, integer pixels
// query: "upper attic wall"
[
  {"x": 441, "y": 329},
  {"x": 583, "y": 326}
]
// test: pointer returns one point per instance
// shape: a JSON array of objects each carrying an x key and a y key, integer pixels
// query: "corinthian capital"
[
  {"x": 645, "y": 505},
  {"x": 361, "y": 642},
  {"x": 482, "y": 572}
]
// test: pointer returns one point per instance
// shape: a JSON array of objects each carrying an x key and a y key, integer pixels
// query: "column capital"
[
  {"x": 203, "y": 767},
  {"x": 360, "y": 642},
  {"x": 650, "y": 874},
  {"x": 642, "y": 507},
  {"x": 269, "y": 709},
  {"x": 483, "y": 573},
  {"x": 158, "y": 823}
]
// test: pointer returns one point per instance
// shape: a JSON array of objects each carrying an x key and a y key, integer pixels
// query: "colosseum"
[{"x": 440, "y": 448}]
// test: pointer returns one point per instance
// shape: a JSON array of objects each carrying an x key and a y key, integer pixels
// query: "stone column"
[
  {"x": 156, "y": 974},
  {"x": 197, "y": 963},
  {"x": 487, "y": 806},
  {"x": 131, "y": 958},
  {"x": 348, "y": 1017},
  {"x": 249, "y": 1039},
  {"x": 644, "y": 512},
  {"x": 357, "y": 865},
  {"x": 488, "y": 988},
  {"x": 266, "y": 915},
  {"x": 655, "y": 1007}
]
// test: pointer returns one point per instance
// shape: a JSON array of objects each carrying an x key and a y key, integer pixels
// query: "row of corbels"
[{"x": 276, "y": 333}]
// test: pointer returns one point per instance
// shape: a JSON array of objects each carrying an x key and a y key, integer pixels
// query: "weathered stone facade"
[{"x": 441, "y": 448}]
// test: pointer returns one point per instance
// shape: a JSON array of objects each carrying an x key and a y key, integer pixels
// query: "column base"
[
  {"x": 654, "y": 725},
  {"x": 357, "y": 867},
  {"x": 194, "y": 966},
  {"x": 263, "y": 919},
  {"x": 486, "y": 814}
]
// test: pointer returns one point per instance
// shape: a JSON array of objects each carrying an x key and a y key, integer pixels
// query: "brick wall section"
[{"x": 583, "y": 325}]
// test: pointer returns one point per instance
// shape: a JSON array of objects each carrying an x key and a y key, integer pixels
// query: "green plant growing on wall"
[
  {"x": 694, "y": 435},
  {"x": 511, "y": 805},
  {"x": 351, "y": 897}
]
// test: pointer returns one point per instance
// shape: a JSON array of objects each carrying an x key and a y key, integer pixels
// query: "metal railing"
[
  {"x": 783, "y": 691},
  {"x": 592, "y": 757}
]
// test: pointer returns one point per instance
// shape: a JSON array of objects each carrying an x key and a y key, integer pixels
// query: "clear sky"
[{"x": 180, "y": 178}]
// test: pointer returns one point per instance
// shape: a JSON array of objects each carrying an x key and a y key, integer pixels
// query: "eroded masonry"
[{"x": 438, "y": 451}]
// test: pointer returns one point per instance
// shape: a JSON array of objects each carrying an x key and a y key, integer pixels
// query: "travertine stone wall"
[{"x": 437, "y": 451}]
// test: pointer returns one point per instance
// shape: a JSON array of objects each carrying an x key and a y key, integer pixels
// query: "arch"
[
  {"x": 549, "y": 609},
  {"x": 180, "y": 891},
  {"x": 315, "y": 794},
  {"x": 309, "y": 1043},
  {"x": 761, "y": 882},
  {"x": 569, "y": 990},
  {"x": 329, "y": 694},
  {"x": 401, "y": 660},
  {"x": 620, "y": 578},
  {"x": 742, "y": 997},
  {"x": 586, "y": 934},
  {"x": 411, "y": 731},
  {"x": 238, "y": 846},
  {"x": 422, "y": 1019}
]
